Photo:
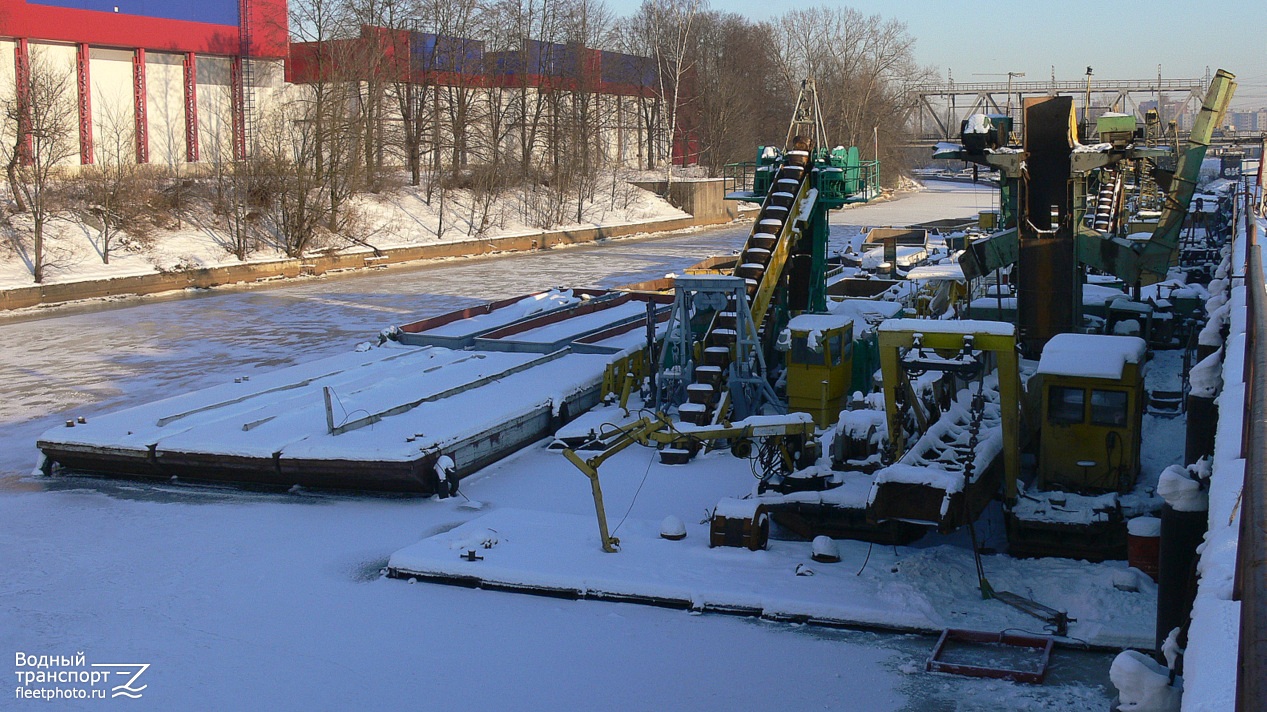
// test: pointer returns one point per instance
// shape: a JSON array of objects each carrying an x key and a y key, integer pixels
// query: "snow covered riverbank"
[{"x": 401, "y": 217}]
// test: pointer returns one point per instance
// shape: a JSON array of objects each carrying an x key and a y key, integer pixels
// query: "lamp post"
[{"x": 1086, "y": 108}]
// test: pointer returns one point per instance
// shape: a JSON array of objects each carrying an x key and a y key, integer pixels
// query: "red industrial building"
[
  {"x": 185, "y": 72},
  {"x": 436, "y": 60},
  {"x": 171, "y": 37},
  {"x": 423, "y": 57}
]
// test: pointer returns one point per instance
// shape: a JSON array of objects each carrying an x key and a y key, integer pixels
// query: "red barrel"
[{"x": 1143, "y": 540}]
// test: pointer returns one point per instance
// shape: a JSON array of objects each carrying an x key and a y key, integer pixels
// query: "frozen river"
[{"x": 267, "y": 600}]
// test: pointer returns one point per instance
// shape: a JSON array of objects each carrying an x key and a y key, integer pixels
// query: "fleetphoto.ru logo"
[{"x": 72, "y": 677}]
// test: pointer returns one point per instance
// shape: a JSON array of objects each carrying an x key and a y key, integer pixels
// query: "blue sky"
[{"x": 1120, "y": 40}]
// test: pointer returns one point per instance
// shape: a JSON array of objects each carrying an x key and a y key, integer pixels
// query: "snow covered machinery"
[
  {"x": 952, "y": 397},
  {"x": 721, "y": 338},
  {"x": 1064, "y": 205}
]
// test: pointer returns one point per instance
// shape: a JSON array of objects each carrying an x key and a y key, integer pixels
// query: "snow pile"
[
  {"x": 1184, "y": 488},
  {"x": 926, "y": 475},
  {"x": 1206, "y": 377},
  {"x": 1212, "y": 333},
  {"x": 865, "y": 314},
  {"x": 733, "y": 508},
  {"x": 1144, "y": 527},
  {"x": 1143, "y": 685},
  {"x": 863, "y": 424},
  {"x": 1127, "y": 327}
]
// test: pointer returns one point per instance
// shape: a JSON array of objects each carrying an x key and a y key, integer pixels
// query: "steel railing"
[
  {"x": 1251, "y": 556},
  {"x": 1098, "y": 86}
]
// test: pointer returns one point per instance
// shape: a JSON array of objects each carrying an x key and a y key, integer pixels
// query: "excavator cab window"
[
  {"x": 1065, "y": 406},
  {"x": 1108, "y": 408},
  {"x": 803, "y": 354},
  {"x": 835, "y": 348}
]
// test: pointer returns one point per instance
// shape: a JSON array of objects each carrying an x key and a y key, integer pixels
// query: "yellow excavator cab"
[
  {"x": 1092, "y": 412},
  {"x": 819, "y": 365}
]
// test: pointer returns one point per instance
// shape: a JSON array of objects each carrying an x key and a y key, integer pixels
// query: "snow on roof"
[
  {"x": 1090, "y": 355},
  {"x": 864, "y": 313},
  {"x": 950, "y": 270},
  {"x": 1100, "y": 294},
  {"x": 977, "y": 124},
  {"x": 949, "y": 326},
  {"x": 818, "y": 322}
]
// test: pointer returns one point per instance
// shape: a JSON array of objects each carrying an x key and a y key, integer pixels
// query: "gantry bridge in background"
[{"x": 942, "y": 106}]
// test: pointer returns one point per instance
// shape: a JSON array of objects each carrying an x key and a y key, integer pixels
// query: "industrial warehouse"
[{"x": 188, "y": 83}]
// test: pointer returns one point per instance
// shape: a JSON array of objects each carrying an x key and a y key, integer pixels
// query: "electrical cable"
[
  {"x": 635, "y": 495},
  {"x": 870, "y": 545},
  {"x": 346, "y": 415}
]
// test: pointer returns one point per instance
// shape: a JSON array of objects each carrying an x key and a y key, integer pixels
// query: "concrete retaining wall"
[
  {"x": 314, "y": 265},
  {"x": 701, "y": 198}
]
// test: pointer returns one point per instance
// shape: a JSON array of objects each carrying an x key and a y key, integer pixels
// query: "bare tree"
[
  {"x": 670, "y": 26},
  {"x": 42, "y": 108},
  {"x": 632, "y": 35},
  {"x": 744, "y": 102},
  {"x": 113, "y": 187},
  {"x": 330, "y": 106},
  {"x": 862, "y": 65},
  {"x": 534, "y": 26},
  {"x": 288, "y": 155},
  {"x": 587, "y": 25},
  {"x": 229, "y": 176}
]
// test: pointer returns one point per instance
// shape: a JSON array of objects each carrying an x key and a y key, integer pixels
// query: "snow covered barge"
[{"x": 430, "y": 403}]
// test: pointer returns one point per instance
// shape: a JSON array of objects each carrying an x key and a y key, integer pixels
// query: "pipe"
[
  {"x": 1203, "y": 423},
  {"x": 1181, "y": 534}
]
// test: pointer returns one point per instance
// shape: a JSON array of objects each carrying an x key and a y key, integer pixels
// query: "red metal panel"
[
  {"x": 268, "y": 19},
  {"x": 191, "y": 108},
  {"x": 140, "y": 106},
  {"x": 83, "y": 80},
  {"x": 270, "y": 29},
  {"x": 237, "y": 90},
  {"x": 22, "y": 71}
]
